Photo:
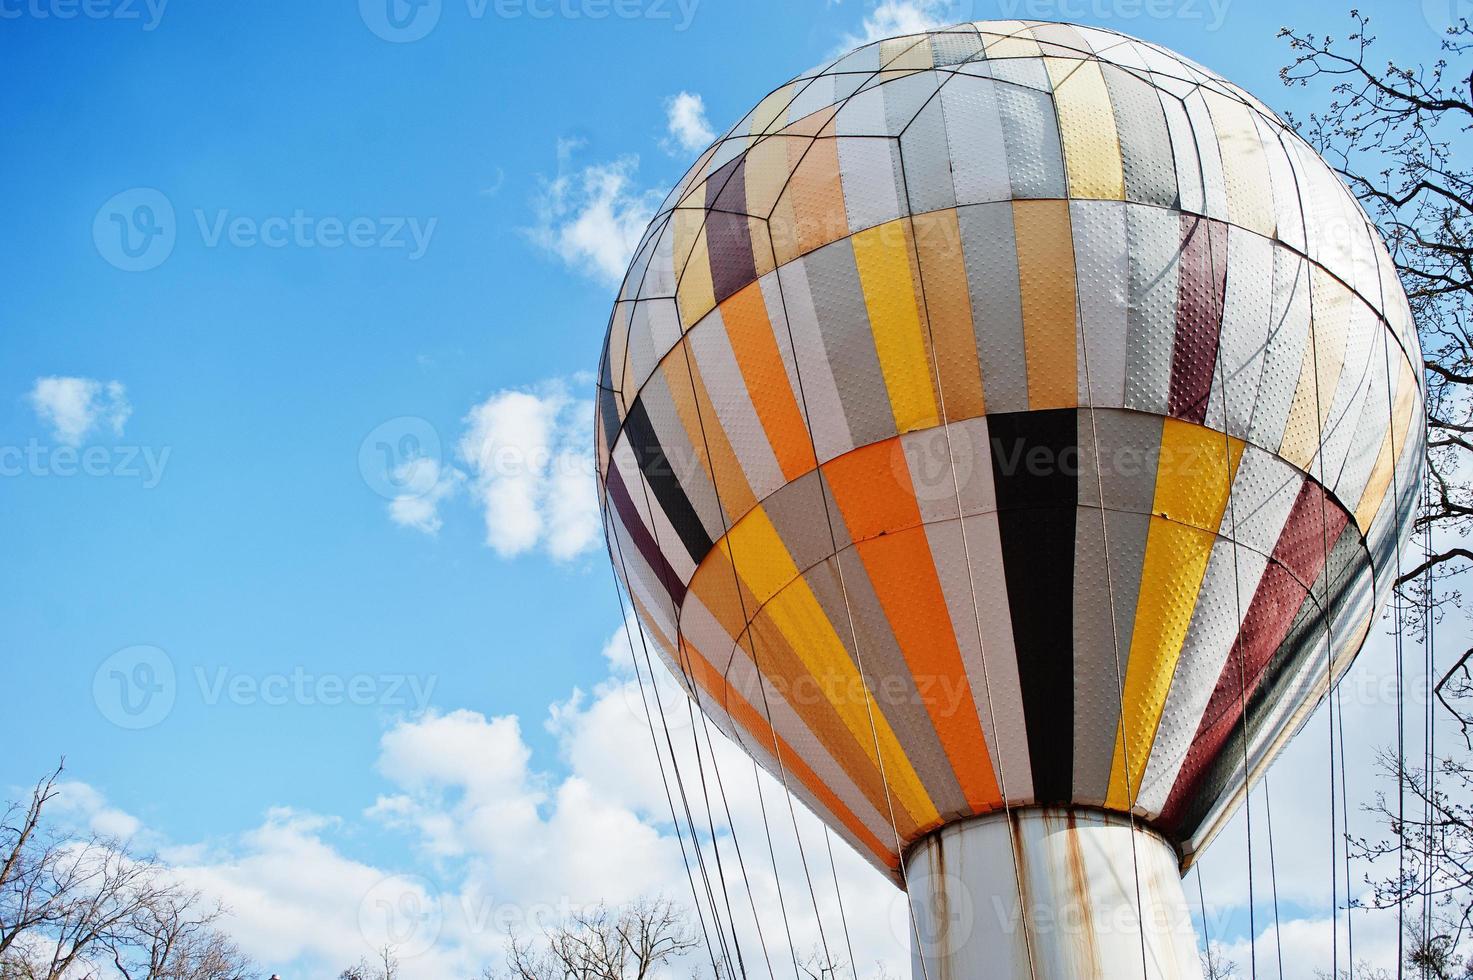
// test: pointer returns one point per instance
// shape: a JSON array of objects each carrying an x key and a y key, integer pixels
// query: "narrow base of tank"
[{"x": 1054, "y": 899}]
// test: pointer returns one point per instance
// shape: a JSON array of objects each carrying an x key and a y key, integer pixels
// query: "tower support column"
[{"x": 1049, "y": 893}]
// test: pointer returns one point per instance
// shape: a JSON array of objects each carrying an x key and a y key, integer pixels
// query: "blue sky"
[{"x": 379, "y": 243}]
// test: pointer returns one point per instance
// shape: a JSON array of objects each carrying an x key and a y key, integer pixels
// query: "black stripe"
[
  {"x": 661, "y": 476},
  {"x": 1035, "y": 468}
]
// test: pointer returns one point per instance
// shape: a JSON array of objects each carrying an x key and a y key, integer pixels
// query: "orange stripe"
[
  {"x": 754, "y": 723},
  {"x": 902, "y": 570},
  {"x": 1046, "y": 281},
  {"x": 788, "y": 674},
  {"x": 948, "y": 307},
  {"x": 751, "y": 334}
]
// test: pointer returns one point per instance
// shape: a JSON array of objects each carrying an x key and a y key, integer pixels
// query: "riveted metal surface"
[
  {"x": 864, "y": 255},
  {"x": 1102, "y": 271},
  {"x": 1153, "y": 238}
]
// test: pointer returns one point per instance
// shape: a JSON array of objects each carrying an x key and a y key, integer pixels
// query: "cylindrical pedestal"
[{"x": 1054, "y": 899}]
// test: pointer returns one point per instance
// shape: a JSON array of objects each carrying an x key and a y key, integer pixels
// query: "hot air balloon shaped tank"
[{"x": 1007, "y": 433}]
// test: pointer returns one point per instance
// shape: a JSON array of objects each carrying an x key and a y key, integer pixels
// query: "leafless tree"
[
  {"x": 1216, "y": 965},
  {"x": 383, "y": 966},
  {"x": 70, "y": 904},
  {"x": 628, "y": 943},
  {"x": 1392, "y": 132},
  {"x": 1388, "y": 129}
]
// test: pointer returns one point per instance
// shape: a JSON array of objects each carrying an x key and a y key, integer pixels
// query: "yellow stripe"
[
  {"x": 1244, "y": 164},
  {"x": 769, "y": 572},
  {"x": 883, "y": 255},
  {"x": 1319, "y": 372},
  {"x": 1374, "y": 494},
  {"x": 695, "y": 294},
  {"x": 771, "y": 112},
  {"x": 1193, "y": 481},
  {"x": 1045, "y": 246},
  {"x": 1087, "y": 125}
]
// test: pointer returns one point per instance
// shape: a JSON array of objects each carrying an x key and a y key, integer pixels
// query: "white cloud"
[
  {"x": 530, "y": 458},
  {"x": 501, "y": 839},
  {"x": 81, "y": 805},
  {"x": 685, "y": 121},
  {"x": 891, "y": 18},
  {"x": 592, "y": 217},
  {"x": 75, "y": 407},
  {"x": 426, "y": 484}
]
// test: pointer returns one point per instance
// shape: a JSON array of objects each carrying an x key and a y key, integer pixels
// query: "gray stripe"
[
  {"x": 1031, "y": 131},
  {"x": 1129, "y": 450},
  {"x": 979, "y": 159},
  {"x": 820, "y": 393},
  {"x": 927, "y": 162},
  {"x": 890, "y": 680},
  {"x": 1145, "y": 144},
  {"x": 1247, "y": 310},
  {"x": 1102, "y": 638},
  {"x": 843, "y": 322},
  {"x": 1155, "y": 246},
  {"x": 1288, "y": 333},
  {"x": 991, "y": 257},
  {"x": 1102, "y": 266}
]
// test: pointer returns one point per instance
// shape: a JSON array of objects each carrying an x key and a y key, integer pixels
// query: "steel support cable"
[
  {"x": 1328, "y": 612},
  {"x": 655, "y": 744},
  {"x": 1431, "y": 775},
  {"x": 761, "y": 683},
  {"x": 693, "y": 689},
  {"x": 1202, "y": 910},
  {"x": 1244, "y": 726},
  {"x": 961, "y": 521},
  {"x": 735, "y": 841},
  {"x": 1397, "y": 612},
  {"x": 679, "y": 779},
  {"x": 1273, "y": 875},
  {"x": 849, "y": 614},
  {"x": 828, "y": 841},
  {"x": 691, "y": 712}
]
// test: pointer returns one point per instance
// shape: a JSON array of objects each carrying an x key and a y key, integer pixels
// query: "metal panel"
[
  {"x": 997, "y": 308},
  {"x": 825, "y": 412},
  {"x": 1153, "y": 236},
  {"x": 1103, "y": 274},
  {"x": 978, "y": 158}
]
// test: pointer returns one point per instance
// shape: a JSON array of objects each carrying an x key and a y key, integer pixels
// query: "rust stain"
[
  {"x": 1079, "y": 888},
  {"x": 1025, "y": 900}
]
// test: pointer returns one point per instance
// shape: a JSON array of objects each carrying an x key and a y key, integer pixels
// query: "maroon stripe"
[
  {"x": 728, "y": 234},
  {"x": 1201, "y": 287},
  {"x": 1297, "y": 561},
  {"x": 640, "y": 535}
]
